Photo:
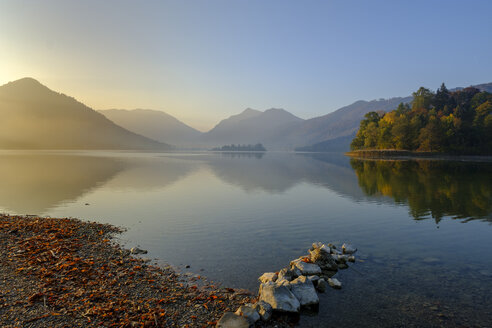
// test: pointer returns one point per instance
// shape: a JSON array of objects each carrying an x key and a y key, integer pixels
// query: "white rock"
[
  {"x": 231, "y": 320},
  {"x": 136, "y": 250},
  {"x": 268, "y": 276},
  {"x": 303, "y": 289},
  {"x": 264, "y": 309},
  {"x": 279, "y": 297},
  {"x": 305, "y": 268},
  {"x": 249, "y": 313},
  {"x": 348, "y": 249},
  {"x": 335, "y": 283}
]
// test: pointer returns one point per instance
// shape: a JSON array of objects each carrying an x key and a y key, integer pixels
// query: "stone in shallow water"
[
  {"x": 231, "y": 320},
  {"x": 303, "y": 289},
  {"x": 268, "y": 276},
  {"x": 335, "y": 283},
  {"x": 305, "y": 268},
  {"x": 343, "y": 266},
  {"x": 249, "y": 313},
  {"x": 279, "y": 297},
  {"x": 348, "y": 249},
  {"x": 321, "y": 256},
  {"x": 431, "y": 260},
  {"x": 136, "y": 250},
  {"x": 286, "y": 274},
  {"x": 264, "y": 309},
  {"x": 321, "y": 285}
]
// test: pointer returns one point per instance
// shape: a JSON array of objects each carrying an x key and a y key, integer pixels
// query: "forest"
[
  {"x": 454, "y": 122},
  {"x": 257, "y": 147}
]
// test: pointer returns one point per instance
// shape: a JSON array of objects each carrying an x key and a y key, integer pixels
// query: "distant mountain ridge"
[
  {"x": 35, "y": 117},
  {"x": 154, "y": 124},
  {"x": 251, "y": 127}
]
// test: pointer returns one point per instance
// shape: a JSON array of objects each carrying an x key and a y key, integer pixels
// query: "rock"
[
  {"x": 351, "y": 258},
  {"x": 305, "y": 268},
  {"x": 314, "y": 279},
  {"x": 283, "y": 282},
  {"x": 321, "y": 285},
  {"x": 279, "y": 297},
  {"x": 335, "y": 283},
  {"x": 264, "y": 309},
  {"x": 348, "y": 249},
  {"x": 136, "y": 250},
  {"x": 268, "y": 276},
  {"x": 322, "y": 257},
  {"x": 340, "y": 258},
  {"x": 343, "y": 266},
  {"x": 249, "y": 313},
  {"x": 431, "y": 260},
  {"x": 231, "y": 320},
  {"x": 303, "y": 289},
  {"x": 286, "y": 274}
]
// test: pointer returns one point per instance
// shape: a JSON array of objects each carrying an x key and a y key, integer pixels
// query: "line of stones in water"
[{"x": 294, "y": 288}]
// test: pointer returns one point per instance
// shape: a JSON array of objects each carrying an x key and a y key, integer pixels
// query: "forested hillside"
[{"x": 444, "y": 121}]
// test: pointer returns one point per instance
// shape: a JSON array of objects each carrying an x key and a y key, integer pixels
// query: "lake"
[{"x": 423, "y": 228}]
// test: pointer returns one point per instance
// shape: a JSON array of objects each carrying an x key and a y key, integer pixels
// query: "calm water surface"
[{"x": 423, "y": 228}]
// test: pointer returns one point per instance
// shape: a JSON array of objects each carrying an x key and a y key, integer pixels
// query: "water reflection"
[
  {"x": 462, "y": 190},
  {"x": 32, "y": 184}
]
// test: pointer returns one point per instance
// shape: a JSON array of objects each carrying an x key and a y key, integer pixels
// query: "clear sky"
[{"x": 204, "y": 60}]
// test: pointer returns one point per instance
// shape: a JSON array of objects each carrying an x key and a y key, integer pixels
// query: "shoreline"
[
  {"x": 407, "y": 154},
  {"x": 67, "y": 272}
]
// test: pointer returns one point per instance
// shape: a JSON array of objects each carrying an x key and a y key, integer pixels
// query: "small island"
[
  {"x": 445, "y": 122},
  {"x": 257, "y": 147}
]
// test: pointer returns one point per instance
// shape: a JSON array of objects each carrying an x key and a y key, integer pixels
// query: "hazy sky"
[{"x": 204, "y": 60}]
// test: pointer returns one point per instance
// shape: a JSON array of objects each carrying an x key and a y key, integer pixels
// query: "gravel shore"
[{"x": 69, "y": 273}]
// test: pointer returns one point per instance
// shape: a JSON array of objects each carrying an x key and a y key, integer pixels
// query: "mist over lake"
[{"x": 422, "y": 227}]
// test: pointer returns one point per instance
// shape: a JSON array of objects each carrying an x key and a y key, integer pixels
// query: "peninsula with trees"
[{"x": 442, "y": 122}]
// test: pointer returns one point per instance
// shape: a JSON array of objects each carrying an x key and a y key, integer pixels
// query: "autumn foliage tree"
[{"x": 444, "y": 121}]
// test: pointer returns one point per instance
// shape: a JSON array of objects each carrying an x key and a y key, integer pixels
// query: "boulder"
[
  {"x": 279, "y": 297},
  {"x": 321, "y": 285},
  {"x": 322, "y": 257},
  {"x": 351, "y": 258},
  {"x": 268, "y": 276},
  {"x": 335, "y": 283},
  {"x": 249, "y": 312},
  {"x": 286, "y": 274},
  {"x": 264, "y": 309},
  {"x": 231, "y": 320},
  {"x": 304, "y": 267},
  {"x": 303, "y": 289},
  {"x": 348, "y": 249}
]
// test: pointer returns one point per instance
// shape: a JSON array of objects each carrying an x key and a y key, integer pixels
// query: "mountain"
[
  {"x": 251, "y": 127},
  {"x": 154, "y": 124},
  {"x": 35, "y": 117},
  {"x": 340, "y": 123},
  {"x": 332, "y": 131}
]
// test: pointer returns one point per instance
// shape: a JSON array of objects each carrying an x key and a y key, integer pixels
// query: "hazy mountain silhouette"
[
  {"x": 35, "y": 117},
  {"x": 343, "y": 122},
  {"x": 154, "y": 124},
  {"x": 251, "y": 127}
]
